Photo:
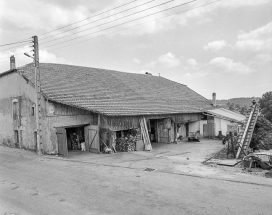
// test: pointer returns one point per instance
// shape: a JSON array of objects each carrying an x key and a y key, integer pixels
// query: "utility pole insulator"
[{"x": 38, "y": 96}]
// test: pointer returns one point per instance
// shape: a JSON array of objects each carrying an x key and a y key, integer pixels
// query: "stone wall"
[{"x": 15, "y": 89}]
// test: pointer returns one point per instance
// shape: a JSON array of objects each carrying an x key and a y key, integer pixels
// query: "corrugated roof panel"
[{"x": 227, "y": 113}]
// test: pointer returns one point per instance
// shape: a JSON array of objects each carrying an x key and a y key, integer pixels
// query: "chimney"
[
  {"x": 12, "y": 62},
  {"x": 214, "y": 99}
]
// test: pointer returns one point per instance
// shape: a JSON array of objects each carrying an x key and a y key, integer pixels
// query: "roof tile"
[{"x": 115, "y": 93}]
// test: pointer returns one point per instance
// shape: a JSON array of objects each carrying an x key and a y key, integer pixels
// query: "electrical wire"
[
  {"x": 15, "y": 46},
  {"x": 124, "y": 23},
  {"x": 74, "y": 23},
  {"x": 112, "y": 21},
  {"x": 8, "y": 44},
  {"x": 88, "y": 18},
  {"x": 99, "y": 19},
  {"x": 136, "y": 25},
  {"x": 127, "y": 27}
]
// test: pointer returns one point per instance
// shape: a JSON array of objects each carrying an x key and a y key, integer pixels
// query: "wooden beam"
[{"x": 98, "y": 131}]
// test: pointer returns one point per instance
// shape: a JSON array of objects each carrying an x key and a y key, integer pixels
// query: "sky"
[{"x": 210, "y": 46}]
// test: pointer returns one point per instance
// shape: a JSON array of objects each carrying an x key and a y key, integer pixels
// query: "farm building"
[
  {"x": 95, "y": 106},
  {"x": 218, "y": 121},
  {"x": 223, "y": 121}
]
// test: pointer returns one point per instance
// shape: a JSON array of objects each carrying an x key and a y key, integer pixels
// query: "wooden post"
[
  {"x": 38, "y": 96},
  {"x": 98, "y": 131},
  {"x": 175, "y": 132},
  {"x": 232, "y": 144}
]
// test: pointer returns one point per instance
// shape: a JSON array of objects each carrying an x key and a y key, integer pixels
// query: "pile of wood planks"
[{"x": 145, "y": 135}]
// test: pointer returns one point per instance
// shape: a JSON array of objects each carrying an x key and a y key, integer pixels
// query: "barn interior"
[{"x": 75, "y": 136}]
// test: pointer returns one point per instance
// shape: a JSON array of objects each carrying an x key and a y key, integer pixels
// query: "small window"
[
  {"x": 118, "y": 134},
  {"x": 32, "y": 110},
  {"x": 15, "y": 109}
]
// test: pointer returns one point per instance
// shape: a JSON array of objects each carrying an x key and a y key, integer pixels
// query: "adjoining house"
[
  {"x": 92, "y": 105},
  {"x": 218, "y": 122},
  {"x": 224, "y": 121}
]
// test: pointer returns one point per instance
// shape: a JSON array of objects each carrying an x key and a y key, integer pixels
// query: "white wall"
[
  {"x": 182, "y": 130},
  {"x": 197, "y": 126},
  {"x": 220, "y": 125},
  {"x": 194, "y": 126},
  {"x": 224, "y": 124}
]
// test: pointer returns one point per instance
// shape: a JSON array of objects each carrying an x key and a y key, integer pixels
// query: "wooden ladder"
[{"x": 246, "y": 132}]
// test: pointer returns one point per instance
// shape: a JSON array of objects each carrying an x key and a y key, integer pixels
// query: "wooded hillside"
[{"x": 238, "y": 101}]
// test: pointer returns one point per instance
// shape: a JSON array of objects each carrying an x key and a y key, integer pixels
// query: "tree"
[
  {"x": 237, "y": 106},
  {"x": 266, "y": 105},
  {"x": 263, "y": 132},
  {"x": 244, "y": 110},
  {"x": 231, "y": 106}
]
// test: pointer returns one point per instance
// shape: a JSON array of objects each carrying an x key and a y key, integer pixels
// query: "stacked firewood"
[{"x": 128, "y": 142}]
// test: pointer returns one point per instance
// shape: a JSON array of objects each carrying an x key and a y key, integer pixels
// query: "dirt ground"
[
  {"x": 168, "y": 180},
  {"x": 181, "y": 158},
  {"x": 221, "y": 155}
]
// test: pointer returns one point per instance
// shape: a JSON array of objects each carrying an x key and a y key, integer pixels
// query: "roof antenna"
[{"x": 159, "y": 74}]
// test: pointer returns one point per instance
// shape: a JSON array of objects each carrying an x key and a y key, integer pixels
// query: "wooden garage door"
[
  {"x": 94, "y": 144},
  {"x": 62, "y": 142}
]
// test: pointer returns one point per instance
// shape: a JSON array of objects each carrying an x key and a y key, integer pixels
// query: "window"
[
  {"x": 15, "y": 109},
  {"x": 118, "y": 134},
  {"x": 32, "y": 110}
]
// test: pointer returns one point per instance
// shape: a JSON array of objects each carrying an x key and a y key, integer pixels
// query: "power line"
[
  {"x": 130, "y": 26},
  {"x": 8, "y": 44},
  {"x": 136, "y": 25},
  {"x": 112, "y": 21},
  {"x": 88, "y": 17},
  {"x": 125, "y": 22},
  {"x": 14, "y": 47},
  {"x": 76, "y": 22},
  {"x": 99, "y": 19}
]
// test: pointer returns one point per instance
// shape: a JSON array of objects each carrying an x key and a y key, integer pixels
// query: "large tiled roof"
[{"x": 115, "y": 93}]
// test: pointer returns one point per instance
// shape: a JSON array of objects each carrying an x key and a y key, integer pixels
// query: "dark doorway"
[
  {"x": 75, "y": 136},
  {"x": 16, "y": 138},
  {"x": 35, "y": 140},
  {"x": 153, "y": 130},
  {"x": 72, "y": 139},
  {"x": 187, "y": 129}
]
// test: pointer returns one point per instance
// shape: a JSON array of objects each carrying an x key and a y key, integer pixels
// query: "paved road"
[{"x": 31, "y": 186}]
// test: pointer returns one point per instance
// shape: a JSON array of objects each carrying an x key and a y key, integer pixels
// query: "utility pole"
[{"x": 38, "y": 96}]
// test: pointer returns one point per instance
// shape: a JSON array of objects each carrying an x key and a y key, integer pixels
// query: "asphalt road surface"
[{"x": 30, "y": 185}]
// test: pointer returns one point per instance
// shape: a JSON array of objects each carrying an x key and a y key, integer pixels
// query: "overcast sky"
[{"x": 224, "y": 47}]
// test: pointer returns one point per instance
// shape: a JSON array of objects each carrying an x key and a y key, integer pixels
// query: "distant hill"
[{"x": 239, "y": 101}]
